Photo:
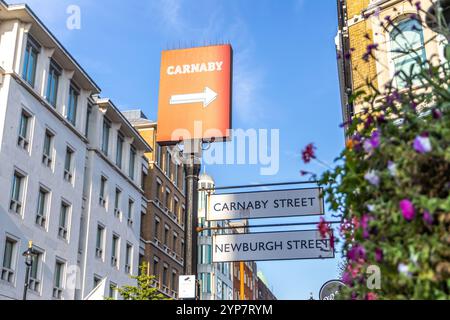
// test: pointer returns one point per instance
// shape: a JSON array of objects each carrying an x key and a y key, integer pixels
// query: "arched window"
[{"x": 407, "y": 45}]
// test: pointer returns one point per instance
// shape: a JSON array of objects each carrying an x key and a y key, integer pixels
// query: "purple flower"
[
  {"x": 392, "y": 167},
  {"x": 369, "y": 51},
  {"x": 407, "y": 209},
  {"x": 365, "y": 225},
  {"x": 427, "y": 217},
  {"x": 437, "y": 114},
  {"x": 378, "y": 254},
  {"x": 422, "y": 144},
  {"x": 373, "y": 178},
  {"x": 404, "y": 269},
  {"x": 418, "y": 5},
  {"x": 373, "y": 142},
  {"x": 356, "y": 253},
  {"x": 347, "y": 278}
]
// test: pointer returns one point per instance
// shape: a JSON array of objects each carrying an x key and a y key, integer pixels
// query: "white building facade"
[
  {"x": 216, "y": 279},
  {"x": 51, "y": 138}
]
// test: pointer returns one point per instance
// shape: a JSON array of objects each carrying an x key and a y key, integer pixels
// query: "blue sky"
[{"x": 285, "y": 77}]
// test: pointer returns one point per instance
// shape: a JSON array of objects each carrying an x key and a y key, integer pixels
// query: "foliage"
[
  {"x": 391, "y": 185},
  {"x": 146, "y": 288}
]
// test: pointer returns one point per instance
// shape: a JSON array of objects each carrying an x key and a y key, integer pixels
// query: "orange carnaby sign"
[{"x": 195, "y": 94}]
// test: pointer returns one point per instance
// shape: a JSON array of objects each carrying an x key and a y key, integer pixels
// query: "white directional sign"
[
  {"x": 265, "y": 204},
  {"x": 186, "y": 287},
  {"x": 271, "y": 246},
  {"x": 205, "y": 97}
]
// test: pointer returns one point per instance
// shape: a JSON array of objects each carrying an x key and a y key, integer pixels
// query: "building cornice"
[{"x": 26, "y": 15}]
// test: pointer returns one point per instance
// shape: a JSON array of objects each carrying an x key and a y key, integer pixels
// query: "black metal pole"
[
  {"x": 27, "y": 279},
  {"x": 192, "y": 171}
]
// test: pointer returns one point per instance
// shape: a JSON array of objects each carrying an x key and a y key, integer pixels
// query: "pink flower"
[
  {"x": 422, "y": 144},
  {"x": 308, "y": 153},
  {"x": 323, "y": 228},
  {"x": 371, "y": 296},
  {"x": 407, "y": 209}
]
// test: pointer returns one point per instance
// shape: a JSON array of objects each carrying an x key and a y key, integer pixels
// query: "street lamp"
[{"x": 29, "y": 254}]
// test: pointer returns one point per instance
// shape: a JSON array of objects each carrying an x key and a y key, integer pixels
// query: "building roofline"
[
  {"x": 30, "y": 12},
  {"x": 125, "y": 120}
]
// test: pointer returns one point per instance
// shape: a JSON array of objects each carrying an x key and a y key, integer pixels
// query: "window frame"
[{"x": 54, "y": 72}]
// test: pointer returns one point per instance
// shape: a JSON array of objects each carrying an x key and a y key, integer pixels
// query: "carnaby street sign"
[
  {"x": 265, "y": 204},
  {"x": 195, "y": 94},
  {"x": 288, "y": 245}
]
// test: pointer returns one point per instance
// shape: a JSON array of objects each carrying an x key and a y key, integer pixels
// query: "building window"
[
  {"x": 175, "y": 241},
  {"x": 30, "y": 61},
  {"x": 115, "y": 250},
  {"x": 176, "y": 175},
  {"x": 41, "y": 214},
  {"x": 117, "y": 203},
  {"x": 156, "y": 268},
  {"x": 130, "y": 211},
  {"x": 143, "y": 179},
  {"x": 54, "y": 73},
  {"x": 176, "y": 207},
  {"x": 102, "y": 197},
  {"x": 72, "y": 104},
  {"x": 88, "y": 119},
  {"x": 99, "y": 243},
  {"x": 164, "y": 279},
  {"x": 132, "y": 162},
  {"x": 166, "y": 235},
  {"x": 159, "y": 191},
  {"x": 168, "y": 162},
  {"x": 36, "y": 272},
  {"x": 48, "y": 146},
  {"x": 128, "y": 257},
  {"x": 158, "y": 155},
  {"x": 174, "y": 280},
  {"x": 119, "y": 151},
  {"x": 68, "y": 165},
  {"x": 157, "y": 228},
  {"x": 206, "y": 282},
  {"x": 105, "y": 136},
  {"x": 182, "y": 215},
  {"x": 407, "y": 45},
  {"x": 58, "y": 281},
  {"x": 24, "y": 130},
  {"x": 63, "y": 219},
  {"x": 168, "y": 200},
  {"x": 112, "y": 290},
  {"x": 9, "y": 260},
  {"x": 17, "y": 192}
]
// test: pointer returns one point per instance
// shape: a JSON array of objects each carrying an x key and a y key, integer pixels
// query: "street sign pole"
[{"x": 192, "y": 152}]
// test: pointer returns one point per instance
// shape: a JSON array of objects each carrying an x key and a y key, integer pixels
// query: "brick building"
[
  {"x": 162, "y": 226},
  {"x": 365, "y": 22}
]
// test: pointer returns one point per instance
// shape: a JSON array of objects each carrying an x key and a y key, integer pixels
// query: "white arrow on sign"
[{"x": 206, "y": 97}]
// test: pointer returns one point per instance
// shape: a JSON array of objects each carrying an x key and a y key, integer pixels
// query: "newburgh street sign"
[{"x": 287, "y": 245}]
